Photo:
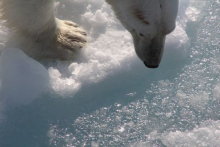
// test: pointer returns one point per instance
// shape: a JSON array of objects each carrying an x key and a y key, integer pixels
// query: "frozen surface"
[
  {"x": 22, "y": 78},
  {"x": 107, "y": 97}
]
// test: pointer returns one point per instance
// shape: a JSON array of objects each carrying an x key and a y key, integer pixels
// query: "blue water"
[{"x": 177, "y": 104}]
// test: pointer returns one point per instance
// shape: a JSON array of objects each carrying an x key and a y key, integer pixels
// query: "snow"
[
  {"x": 107, "y": 97},
  {"x": 207, "y": 134}
]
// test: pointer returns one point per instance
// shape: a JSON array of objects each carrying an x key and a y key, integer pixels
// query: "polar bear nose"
[{"x": 150, "y": 66}]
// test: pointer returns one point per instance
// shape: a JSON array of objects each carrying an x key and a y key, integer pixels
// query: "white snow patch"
[
  {"x": 205, "y": 135},
  {"x": 216, "y": 92},
  {"x": 192, "y": 13},
  {"x": 199, "y": 101}
]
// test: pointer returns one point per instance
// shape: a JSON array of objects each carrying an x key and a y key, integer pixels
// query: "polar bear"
[{"x": 35, "y": 29}]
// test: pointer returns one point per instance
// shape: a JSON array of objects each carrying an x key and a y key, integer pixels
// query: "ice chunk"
[{"x": 22, "y": 78}]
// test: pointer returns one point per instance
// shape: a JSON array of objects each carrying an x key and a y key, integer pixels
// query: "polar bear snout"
[
  {"x": 150, "y": 51},
  {"x": 150, "y": 66},
  {"x": 153, "y": 62}
]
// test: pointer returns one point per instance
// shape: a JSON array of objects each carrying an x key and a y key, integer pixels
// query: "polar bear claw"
[{"x": 70, "y": 39}]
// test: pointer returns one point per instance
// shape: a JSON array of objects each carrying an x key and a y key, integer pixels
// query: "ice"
[
  {"x": 110, "y": 98},
  {"x": 22, "y": 78},
  {"x": 207, "y": 134},
  {"x": 216, "y": 92},
  {"x": 179, "y": 110},
  {"x": 192, "y": 13}
]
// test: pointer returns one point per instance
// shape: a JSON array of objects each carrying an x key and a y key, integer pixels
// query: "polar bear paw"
[{"x": 70, "y": 39}]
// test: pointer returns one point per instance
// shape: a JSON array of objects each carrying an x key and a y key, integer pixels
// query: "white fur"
[
  {"x": 148, "y": 38},
  {"x": 34, "y": 28}
]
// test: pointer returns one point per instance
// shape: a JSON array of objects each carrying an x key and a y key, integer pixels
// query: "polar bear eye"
[{"x": 141, "y": 34}]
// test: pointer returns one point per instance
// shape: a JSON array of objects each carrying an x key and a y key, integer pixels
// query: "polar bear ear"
[{"x": 139, "y": 14}]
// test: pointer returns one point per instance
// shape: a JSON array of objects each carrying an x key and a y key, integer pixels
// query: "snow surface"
[{"x": 107, "y": 97}]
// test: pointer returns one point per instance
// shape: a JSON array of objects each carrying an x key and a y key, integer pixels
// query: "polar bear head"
[{"x": 148, "y": 21}]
